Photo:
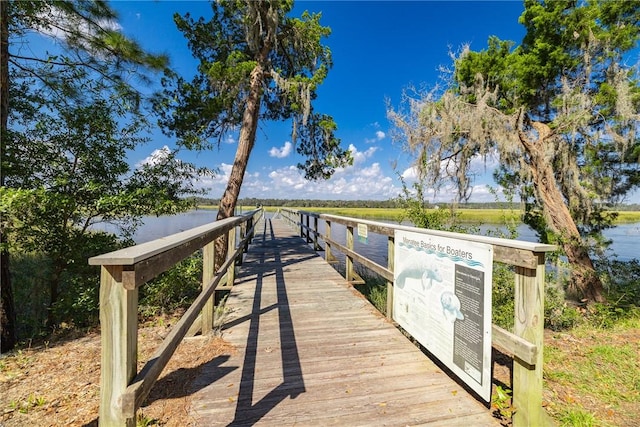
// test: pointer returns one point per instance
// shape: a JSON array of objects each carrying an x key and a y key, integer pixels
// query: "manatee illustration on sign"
[
  {"x": 451, "y": 306},
  {"x": 417, "y": 268}
]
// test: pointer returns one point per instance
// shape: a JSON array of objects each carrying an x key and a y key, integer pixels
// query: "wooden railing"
[
  {"x": 122, "y": 389},
  {"x": 524, "y": 344}
]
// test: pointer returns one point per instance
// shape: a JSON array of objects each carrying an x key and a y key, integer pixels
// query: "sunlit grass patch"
[
  {"x": 588, "y": 369},
  {"x": 578, "y": 417}
]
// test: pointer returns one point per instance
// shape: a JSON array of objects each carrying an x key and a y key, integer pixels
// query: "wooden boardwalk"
[{"x": 310, "y": 351}]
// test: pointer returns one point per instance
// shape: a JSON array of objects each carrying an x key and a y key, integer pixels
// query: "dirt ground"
[{"x": 58, "y": 383}]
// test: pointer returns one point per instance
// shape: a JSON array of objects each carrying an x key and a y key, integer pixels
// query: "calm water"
[
  {"x": 155, "y": 227},
  {"x": 625, "y": 236}
]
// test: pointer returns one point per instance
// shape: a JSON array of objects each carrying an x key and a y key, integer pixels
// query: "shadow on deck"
[{"x": 310, "y": 350}]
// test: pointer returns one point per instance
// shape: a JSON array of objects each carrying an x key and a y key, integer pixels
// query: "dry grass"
[{"x": 57, "y": 383}]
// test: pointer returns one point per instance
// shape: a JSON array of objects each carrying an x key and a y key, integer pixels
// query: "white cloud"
[
  {"x": 480, "y": 164},
  {"x": 364, "y": 180},
  {"x": 155, "y": 157},
  {"x": 282, "y": 152},
  {"x": 63, "y": 20},
  {"x": 379, "y": 137},
  {"x": 359, "y": 181},
  {"x": 410, "y": 174},
  {"x": 360, "y": 157},
  {"x": 224, "y": 173}
]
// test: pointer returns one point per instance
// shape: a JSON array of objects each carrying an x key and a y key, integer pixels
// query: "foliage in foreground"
[
  {"x": 79, "y": 287},
  {"x": 78, "y": 308},
  {"x": 173, "y": 290}
]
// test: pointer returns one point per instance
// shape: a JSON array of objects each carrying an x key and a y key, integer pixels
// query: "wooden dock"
[{"x": 310, "y": 350}]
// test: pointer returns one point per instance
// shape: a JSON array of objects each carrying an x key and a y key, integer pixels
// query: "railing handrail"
[
  {"x": 143, "y": 251},
  {"x": 122, "y": 388},
  {"x": 496, "y": 241},
  {"x": 525, "y": 344}
]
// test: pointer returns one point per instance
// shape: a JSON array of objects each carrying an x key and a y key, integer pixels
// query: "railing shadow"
[
  {"x": 177, "y": 383},
  {"x": 248, "y": 412}
]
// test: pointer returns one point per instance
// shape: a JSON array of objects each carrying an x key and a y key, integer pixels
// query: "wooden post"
[
  {"x": 348, "y": 260},
  {"x": 231, "y": 272},
  {"x": 306, "y": 229},
  {"x": 243, "y": 233},
  {"x": 248, "y": 230},
  {"x": 391, "y": 251},
  {"x": 208, "y": 272},
  {"x": 316, "y": 246},
  {"x": 529, "y": 324},
  {"x": 301, "y": 224},
  {"x": 119, "y": 340},
  {"x": 327, "y": 246}
]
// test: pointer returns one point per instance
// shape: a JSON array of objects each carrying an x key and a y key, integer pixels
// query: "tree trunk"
[
  {"x": 7, "y": 307},
  {"x": 584, "y": 279},
  {"x": 54, "y": 294},
  {"x": 246, "y": 141}
]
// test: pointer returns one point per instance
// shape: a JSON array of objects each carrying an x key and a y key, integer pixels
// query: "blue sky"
[{"x": 379, "y": 48}]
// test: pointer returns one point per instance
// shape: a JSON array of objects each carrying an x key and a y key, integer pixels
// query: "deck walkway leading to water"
[{"x": 310, "y": 350}]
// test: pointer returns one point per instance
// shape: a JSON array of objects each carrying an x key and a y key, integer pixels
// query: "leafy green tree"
[
  {"x": 88, "y": 40},
  {"x": 256, "y": 63},
  {"x": 561, "y": 113},
  {"x": 67, "y": 171}
]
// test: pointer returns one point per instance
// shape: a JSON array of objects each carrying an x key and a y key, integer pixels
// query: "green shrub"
[
  {"x": 174, "y": 289},
  {"x": 29, "y": 273},
  {"x": 558, "y": 315},
  {"x": 622, "y": 281},
  {"x": 374, "y": 288},
  {"x": 78, "y": 300},
  {"x": 502, "y": 294}
]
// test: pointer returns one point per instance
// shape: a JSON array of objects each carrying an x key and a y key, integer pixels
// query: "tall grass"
[{"x": 476, "y": 216}]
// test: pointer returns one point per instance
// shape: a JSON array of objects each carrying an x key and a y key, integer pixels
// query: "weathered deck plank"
[{"x": 311, "y": 351}]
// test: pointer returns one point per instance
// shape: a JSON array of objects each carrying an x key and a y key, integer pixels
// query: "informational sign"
[
  {"x": 363, "y": 233},
  {"x": 442, "y": 297}
]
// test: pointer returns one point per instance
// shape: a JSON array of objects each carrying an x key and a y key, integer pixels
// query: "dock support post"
[
  {"x": 301, "y": 218},
  {"x": 231, "y": 248},
  {"x": 119, "y": 340},
  {"x": 390, "y": 265},
  {"x": 316, "y": 246},
  {"x": 529, "y": 324},
  {"x": 328, "y": 256},
  {"x": 208, "y": 272},
  {"x": 349, "y": 273}
]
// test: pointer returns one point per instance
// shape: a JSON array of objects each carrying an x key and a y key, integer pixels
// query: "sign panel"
[
  {"x": 442, "y": 297},
  {"x": 363, "y": 233}
]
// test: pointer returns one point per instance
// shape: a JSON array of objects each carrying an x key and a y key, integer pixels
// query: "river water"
[{"x": 625, "y": 237}]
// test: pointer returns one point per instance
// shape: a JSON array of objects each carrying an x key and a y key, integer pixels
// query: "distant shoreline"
[{"x": 484, "y": 216}]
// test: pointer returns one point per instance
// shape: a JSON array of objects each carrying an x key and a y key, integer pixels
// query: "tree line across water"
[{"x": 380, "y": 204}]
